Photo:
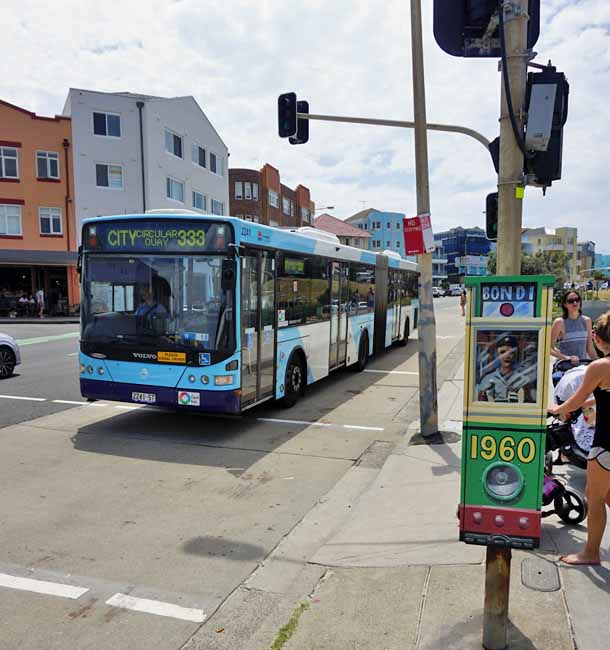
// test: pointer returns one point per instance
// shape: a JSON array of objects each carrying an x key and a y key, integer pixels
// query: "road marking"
[
  {"x": 67, "y": 401},
  {"x": 156, "y": 607},
  {"x": 393, "y": 372},
  {"x": 73, "y": 354},
  {"x": 47, "y": 339},
  {"x": 41, "y": 586},
  {"x": 319, "y": 424},
  {"x": 26, "y": 399},
  {"x": 128, "y": 408},
  {"x": 445, "y": 338}
]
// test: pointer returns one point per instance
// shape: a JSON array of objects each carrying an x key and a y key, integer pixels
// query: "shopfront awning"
[{"x": 38, "y": 258}]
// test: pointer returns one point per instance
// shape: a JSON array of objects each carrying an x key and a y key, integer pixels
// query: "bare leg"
[{"x": 598, "y": 487}]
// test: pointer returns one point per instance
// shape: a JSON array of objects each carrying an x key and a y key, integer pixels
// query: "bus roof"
[{"x": 247, "y": 232}]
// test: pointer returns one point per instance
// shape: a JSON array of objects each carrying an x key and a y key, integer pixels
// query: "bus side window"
[{"x": 319, "y": 295}]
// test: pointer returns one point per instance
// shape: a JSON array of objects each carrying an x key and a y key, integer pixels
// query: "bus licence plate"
[{"x": 147, "y": 398}]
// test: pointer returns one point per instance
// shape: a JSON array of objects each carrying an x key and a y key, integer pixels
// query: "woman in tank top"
[
  {"x": 571, "y": 335},
  {"x": 596, "y": 381}
]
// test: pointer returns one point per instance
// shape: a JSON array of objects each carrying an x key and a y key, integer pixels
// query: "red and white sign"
[{"x": 418, "y": 234}]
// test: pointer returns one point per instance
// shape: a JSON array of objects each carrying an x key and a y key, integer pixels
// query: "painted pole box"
[{"x": 506, "y": 378}]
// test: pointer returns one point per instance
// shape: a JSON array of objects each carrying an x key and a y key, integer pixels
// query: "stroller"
[{"x": 567, "y": 442}]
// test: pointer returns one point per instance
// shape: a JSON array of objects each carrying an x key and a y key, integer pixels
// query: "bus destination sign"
[{"x": 143, "y": 236}]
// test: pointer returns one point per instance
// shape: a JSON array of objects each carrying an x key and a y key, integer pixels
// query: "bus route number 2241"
[{"x": 506, "y": 448}]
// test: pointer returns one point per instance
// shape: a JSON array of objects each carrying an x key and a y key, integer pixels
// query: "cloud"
[{"x": 346, "y": 58}]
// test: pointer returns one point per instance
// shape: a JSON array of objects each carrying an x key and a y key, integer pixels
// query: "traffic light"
[
  {"x": 302, "y": 125},
  {"x": 287, "y": 115},
  {"x": 546, "y": 99},
  {"x": 491, "y": 216},
  {"x": 470, "y": 28}
]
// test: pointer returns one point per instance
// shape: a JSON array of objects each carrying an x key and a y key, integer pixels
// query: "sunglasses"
[{"x": 573, "y": 301}]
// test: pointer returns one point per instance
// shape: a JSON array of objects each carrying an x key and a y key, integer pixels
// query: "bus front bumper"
[{"x": 208, "y": 401}]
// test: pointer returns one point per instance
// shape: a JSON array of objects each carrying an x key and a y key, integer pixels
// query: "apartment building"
[
  {"x": 466, "y": 251},
  {"x": 37, "y": 234},
  {"x": 581, "y": 254},
  {"x": 384, "y": 228},
  {"x": 138, "y": 152},
  {"x": 348, "y": 234},
  {"x": 261, "y": 197}
]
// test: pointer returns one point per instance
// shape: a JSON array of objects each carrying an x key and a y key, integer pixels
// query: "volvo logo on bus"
[{"x": 149, "y": 356}]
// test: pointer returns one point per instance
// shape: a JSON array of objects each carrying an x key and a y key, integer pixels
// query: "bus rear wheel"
[
  {"x": 405, "y": 340},
  {"x": 294, "y": 381},
  {"x": 363, "y": 353}
]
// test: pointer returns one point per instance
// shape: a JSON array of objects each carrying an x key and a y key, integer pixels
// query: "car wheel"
[
  {"x": 363, "y": 353},
  {"x": 7, "y": 362},
  {"x": 294, "y": 381}
]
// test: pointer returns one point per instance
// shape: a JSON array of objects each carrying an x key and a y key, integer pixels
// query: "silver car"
[{"x": 9, "y": 355}]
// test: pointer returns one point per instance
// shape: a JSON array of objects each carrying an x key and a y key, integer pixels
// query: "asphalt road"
[
  {"x": 48, "y": 370},
  {"x": 127, "y": 527}
]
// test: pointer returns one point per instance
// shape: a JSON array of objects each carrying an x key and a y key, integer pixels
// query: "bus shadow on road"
[{"x": 235, "y": 443}]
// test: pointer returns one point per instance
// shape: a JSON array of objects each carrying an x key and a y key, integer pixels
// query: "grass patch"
[{"x": 289, "y": 629}]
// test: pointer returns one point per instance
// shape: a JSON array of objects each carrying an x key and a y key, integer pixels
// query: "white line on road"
[
  {"x": 320, "y": 424},
  {"x": 156, "y": 607},
  {"x": 127, "y": 407},
  {"x": 67, "y": 401},
  {"x": 41, "y": 586},
  {"x": 73, "y": 354},
  {"x": 27, "y": 399},
  {"x": 393, "y": 372}
]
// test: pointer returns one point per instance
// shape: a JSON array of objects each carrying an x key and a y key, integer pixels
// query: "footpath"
[{"x": 377, "y": 564}]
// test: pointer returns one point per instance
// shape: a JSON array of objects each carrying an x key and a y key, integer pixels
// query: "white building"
[{"x": 137, "y": 152}]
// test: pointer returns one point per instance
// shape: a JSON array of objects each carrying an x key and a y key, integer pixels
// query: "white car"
[{"x": 9, "y": 355}]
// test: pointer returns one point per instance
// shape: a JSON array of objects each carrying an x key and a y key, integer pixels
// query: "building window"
[
  {"x": 174, "y": 189},
  {"x": 107, "y": 124},
  {"x": 199, "y": 201},
  {"x": 50, "y": 221},
  {"x": 110, "y": 176},
  {"x": 47, "y": 164},
  {"x": 389, "y": 225},
  {"x": 366, "y": 226},
  {"x": 305, "y": 214},
  {"x": 274, "y": 199},
  {"x": 388, "y": 244},
  {"x": 254, "y": 191},
  {"x": 239, "y": 190},
  {"x": 198, "y": 155},
  {"x": 398, "y": 225},
  {"x": 216, "y": 164},
  {"x": 285, "y": 205},
  {"x": 217, "y": 207},
  {"x": 10, "y": 220},
  {"x": 9, "y": 163},
  {"x": 173, "y": 143}
]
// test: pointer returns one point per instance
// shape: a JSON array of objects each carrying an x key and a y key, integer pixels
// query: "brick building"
[
  {"x": 261, "y": 197},
  {"x": 37, "y": 225}
]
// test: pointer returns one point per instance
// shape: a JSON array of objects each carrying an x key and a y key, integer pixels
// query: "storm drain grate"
[{"x": 540, "y": 575}]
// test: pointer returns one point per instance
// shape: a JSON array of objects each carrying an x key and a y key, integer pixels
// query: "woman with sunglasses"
[
  {"x": 597, "y": 381},
  {"x": 571, "y": 335}
]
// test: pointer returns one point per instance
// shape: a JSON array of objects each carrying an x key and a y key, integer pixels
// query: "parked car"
[
  {"x": 9, "y": 355},
  {"x": 437, "y": 292}
]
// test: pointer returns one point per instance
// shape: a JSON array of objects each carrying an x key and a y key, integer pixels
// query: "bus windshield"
[{"x": 149, "y": 301}]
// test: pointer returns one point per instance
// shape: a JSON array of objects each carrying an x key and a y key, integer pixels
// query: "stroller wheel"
[{"x": 571, "y": 507}]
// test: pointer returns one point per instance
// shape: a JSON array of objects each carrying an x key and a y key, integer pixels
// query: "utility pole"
[
  {"x": 510, "y": 209},
  {"x": 510, "y": 180},
  {"x": 428, "y": 397}
]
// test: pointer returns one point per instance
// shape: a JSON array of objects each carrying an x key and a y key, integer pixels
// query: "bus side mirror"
[
  {"x": 227, "y": 281},
  {"x": 79, "y": 261}
]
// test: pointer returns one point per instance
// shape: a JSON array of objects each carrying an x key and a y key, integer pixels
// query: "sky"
[{"x": 346, "y": 58}]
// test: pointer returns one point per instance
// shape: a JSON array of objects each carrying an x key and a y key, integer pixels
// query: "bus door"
[
  {"x": 394, "y": 302},
  {"x": 339, "y": 304},
  {"x": 257, "y": 325}
]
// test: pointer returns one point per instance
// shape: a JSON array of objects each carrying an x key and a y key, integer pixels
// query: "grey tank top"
[{"x": 574, "y": 341}]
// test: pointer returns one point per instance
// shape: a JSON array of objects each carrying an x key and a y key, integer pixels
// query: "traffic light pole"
[
  {"x": 428, "y": 393},
  {"x": 510, "y": 180}
]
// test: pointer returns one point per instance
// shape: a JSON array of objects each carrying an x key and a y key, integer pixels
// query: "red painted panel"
[{"x": 515, "y": 522}]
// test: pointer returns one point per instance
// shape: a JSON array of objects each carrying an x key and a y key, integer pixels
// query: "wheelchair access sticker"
[{"x": 204, "y": 358}]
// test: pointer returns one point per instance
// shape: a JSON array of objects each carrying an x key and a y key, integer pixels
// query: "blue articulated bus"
[{"x": 217, "y": 314}]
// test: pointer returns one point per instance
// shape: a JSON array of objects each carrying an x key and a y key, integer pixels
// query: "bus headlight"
[
  {"x": 205, "y": 379},
  {"x": 83, "y": 367},
  {"x": 90, "y": 369},
  {"x": 100, "y": 371},
  {"x": 192, "y": 379},
  {"x": 503, "y": 482},
  {"x": 223, "y": 380}
]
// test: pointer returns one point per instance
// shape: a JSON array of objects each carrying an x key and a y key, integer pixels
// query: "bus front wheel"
[{"x": 294, "y": 381}]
